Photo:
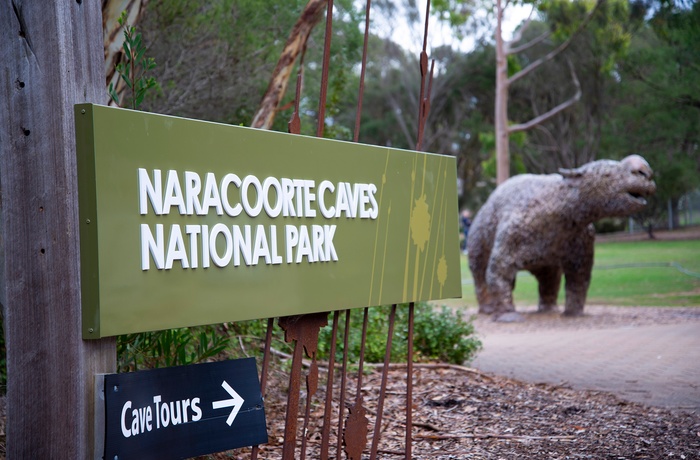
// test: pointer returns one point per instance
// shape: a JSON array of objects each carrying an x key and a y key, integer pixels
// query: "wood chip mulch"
[{"x": 461, "y": 413}]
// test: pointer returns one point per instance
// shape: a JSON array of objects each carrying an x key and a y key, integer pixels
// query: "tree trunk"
[
  {"x": 503, "y": 82},
  {"x": 296, "y": 44},
  {"x": 53, "y": 58},
  {"x": 501, "y": 108}
]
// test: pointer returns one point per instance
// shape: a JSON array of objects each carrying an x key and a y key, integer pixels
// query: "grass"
[{"x": 642, "y": 273}]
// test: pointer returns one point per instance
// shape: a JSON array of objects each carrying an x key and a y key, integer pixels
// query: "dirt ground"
[{"x": 462, "y": 413}]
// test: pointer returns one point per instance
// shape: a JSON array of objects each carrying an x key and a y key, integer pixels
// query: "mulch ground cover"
[{"x": 461, "y": 413}]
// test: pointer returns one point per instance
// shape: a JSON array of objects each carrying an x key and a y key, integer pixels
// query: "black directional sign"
[{"x": 185, "y": 411}]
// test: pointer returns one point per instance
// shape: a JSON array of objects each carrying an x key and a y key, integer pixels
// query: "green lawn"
[{"x": 641, "y": 273}]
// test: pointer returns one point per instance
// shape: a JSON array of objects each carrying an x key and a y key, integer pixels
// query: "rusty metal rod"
[
  {"x": 422, "y": 115},
  {"x": 363, "y": 343},
  {"x": 290, "y": 424},
  {"x": 382, "y": 390},
  {"x": 343, "y": 383},
  {"x": 294, "y": 124},
  {"x": 360, "y": 97},
  {"x": 326, "y": 430},
  {"x": 311, "y": 387},
  {"x": 409, "y": 384},
  {"x": 263, "y": 372},
  {"x": 324, "y": 70}
]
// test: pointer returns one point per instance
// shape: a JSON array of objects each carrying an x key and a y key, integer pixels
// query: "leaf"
[{"x": 113, "y": 94}]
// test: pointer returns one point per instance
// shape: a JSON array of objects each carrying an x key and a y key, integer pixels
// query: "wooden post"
[{"x": 52, "y": 57}]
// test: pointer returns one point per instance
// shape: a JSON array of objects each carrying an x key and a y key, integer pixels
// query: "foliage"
[
  {"x": 171, "y": 347},
  {"x": 438, "y": 335},
  {"x": 133, "y": 68},
  {"x": 573, "y": 137},
  {"x": 656, "y": 111},
  {"x": 610, "y": 225},
  {"x": 217, "y": 57},
  {"x": 444, "y": 335}
]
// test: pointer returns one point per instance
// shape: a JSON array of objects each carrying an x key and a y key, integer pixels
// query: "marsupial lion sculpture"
[{"x": 544, "y": 224}]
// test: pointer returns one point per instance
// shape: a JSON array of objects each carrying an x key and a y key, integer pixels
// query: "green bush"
[
  {"x": 438, "y": 335},
  {"x": 610, "y": 225},
  {"x": 444, "y": 335},
  {"x": 171, "y": 347}
]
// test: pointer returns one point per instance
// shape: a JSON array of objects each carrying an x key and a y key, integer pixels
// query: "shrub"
[
  {"x": 444, "y": 335},
  {"x": 441, "y": 335},
  {"x": 171, "y": 347}
]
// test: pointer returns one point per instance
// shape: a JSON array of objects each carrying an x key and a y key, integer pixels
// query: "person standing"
[{"x": 465, "y": 222}]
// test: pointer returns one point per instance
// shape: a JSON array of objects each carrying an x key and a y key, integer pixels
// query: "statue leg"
[
  {"x": 576, "y": 291},
  {"x": 577, "y": 271},
  {"x": 548, "y": 281},
  {"x": 478, "y": 262},
  {"x": 501, "y": 281}
]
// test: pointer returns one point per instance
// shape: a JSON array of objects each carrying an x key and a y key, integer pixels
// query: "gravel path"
[{"x": 645, "y": 355}]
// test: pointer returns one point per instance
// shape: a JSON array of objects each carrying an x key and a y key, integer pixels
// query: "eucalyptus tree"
[
  {"x": 215, "y": 58},
  {"x": 507, "y": 52},
  {"x": 587, "y": 67},
  {"x": 656, "y": 102}
]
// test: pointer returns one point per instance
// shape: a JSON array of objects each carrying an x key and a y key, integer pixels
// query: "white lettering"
[
  {"x": 193, "y": 231},
  {"x": 126, "y": 432},
  {"x": 164, "y": 415},
  {"x": 268, "y": 183},
  {"x": 328, "y": 234},
  {"x": 309, "y": 198},
  {"x": 176, "y": 248},
  {"x": 242, "y": 244},
  {"x": 374, "y": 212},
  {"x": 261, "y": 248},
  {"x": 252, "y": 211},
  {"x": 304, "y": 248},
  {"x": 218, "y": 229},
  {"x": 156, "y": 399},
  {"x": 276, "y": 258},
  {"x": 193, "y": 186},
  {"x": 317, "y": 243},
  {"x": 205, "y": 247},
  {"x": 328, "y": 213},
  {"x": 288, "y": 198},
  {"x": 173, "y": 194},
  {"x": 148, "y": 189},
  {"x": 153, "y": 246},
  {"x": 292, "y": 238},
  {"x": 197, "y": 415},
  {"x": 225, "y": 182},
  {"x": 211, "y": 196}
]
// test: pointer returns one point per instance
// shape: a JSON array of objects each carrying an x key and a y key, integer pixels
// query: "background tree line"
[{"x": 633, "y": 67}]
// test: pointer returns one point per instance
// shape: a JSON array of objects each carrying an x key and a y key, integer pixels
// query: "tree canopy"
[{"x": 627, "y": 82}]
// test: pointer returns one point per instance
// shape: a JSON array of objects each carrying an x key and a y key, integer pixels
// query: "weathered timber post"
[{"x": 52, "y": 57}]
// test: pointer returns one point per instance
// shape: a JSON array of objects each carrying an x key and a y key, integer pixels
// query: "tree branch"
[
  {"x": 310, "y": 16},
  {"x": 530, "y": 44},
  {"x": 551, "y": 55},
  {"x": 555, "y": 111},
  {"x": 520, "y": 31}
]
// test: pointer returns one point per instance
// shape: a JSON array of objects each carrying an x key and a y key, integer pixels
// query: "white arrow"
[{"x": 236, "y": 402}]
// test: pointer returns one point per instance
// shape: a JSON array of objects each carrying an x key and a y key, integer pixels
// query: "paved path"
[{"x": 657, "y": 365}]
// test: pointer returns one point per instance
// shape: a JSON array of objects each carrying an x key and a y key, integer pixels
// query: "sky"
[{"x": 439, "y": 34}]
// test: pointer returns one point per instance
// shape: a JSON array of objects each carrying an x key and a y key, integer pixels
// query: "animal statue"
[{"x": 544, "y": 224}]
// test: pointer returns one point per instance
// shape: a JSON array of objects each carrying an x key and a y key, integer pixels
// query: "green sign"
[{"x": 187, "y": 222}]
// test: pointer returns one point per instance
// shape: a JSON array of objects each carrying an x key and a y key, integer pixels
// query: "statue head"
[{"x": 613, "y": 188}]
